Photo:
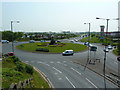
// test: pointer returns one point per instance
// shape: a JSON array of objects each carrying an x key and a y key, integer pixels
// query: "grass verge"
[{"x": 14, "y": 71}]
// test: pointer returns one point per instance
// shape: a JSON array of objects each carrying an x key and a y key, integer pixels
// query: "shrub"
[
  {"x": 29, "y": 69},
  {"x": 42, "y": 49},
  {"x": 19, "y": 67},
  {"x": 52, "y": 45},
  {"x": 15, "y": 59}
]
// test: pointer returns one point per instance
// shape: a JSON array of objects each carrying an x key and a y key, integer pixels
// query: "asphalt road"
[{"x": 60, "y": 70}]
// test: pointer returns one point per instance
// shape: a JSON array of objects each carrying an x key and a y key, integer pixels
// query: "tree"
[{"x": 9, "y": 35}]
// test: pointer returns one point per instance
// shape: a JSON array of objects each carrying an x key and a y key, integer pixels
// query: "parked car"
[
  {"x": 4, "y": 41},
  {"x": 31, "y": 41},
  {"x": 105, "y": 50},
  {"x": 10, "y": 54},
  {"x": 68, "y": 52},
  {"x": 109, "y": 47}
]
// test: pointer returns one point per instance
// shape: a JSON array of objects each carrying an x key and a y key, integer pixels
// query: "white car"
[
  {"x": 109, "y": 47},
  {"x": 68, "y": 52},
  {"x": 4, "y": 41}
]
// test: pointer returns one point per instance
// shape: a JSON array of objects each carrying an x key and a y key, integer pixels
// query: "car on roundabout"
[{"x": 67, "y": 52}]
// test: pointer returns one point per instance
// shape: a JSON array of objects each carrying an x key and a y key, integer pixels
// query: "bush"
[
  {"x": 29, "y": 69},
  {"x": 52, "y": 45},
  {"x": 42, "y": 49},
  {"x": 15, "y": 59},
  {"x": 19, "y": 67}
]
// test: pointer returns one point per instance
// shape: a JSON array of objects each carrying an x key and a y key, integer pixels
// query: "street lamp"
[
  {"x": 106, "y": 43},
  {"x": 13, "y": 33},
  {"x": 88, "y": 58}
]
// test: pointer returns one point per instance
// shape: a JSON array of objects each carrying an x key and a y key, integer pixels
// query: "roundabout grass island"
[{"x": 44, "y": 47}]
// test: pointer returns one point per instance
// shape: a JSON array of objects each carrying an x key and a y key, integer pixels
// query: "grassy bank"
[
  {"x": 58, "y": 48},
  {"x": 13, "y": 71}
]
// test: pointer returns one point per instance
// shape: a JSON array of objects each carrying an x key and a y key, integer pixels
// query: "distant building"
[{"x": 114, "y": 35}]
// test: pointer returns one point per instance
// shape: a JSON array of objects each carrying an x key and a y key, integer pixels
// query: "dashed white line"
[
  {"x": 91, "y": 83},
  {"x": 57, "y": 70},
  {"x": 70, "y": 82},
  {"x": 76, "y": 71},
  {"x": 47, "y": 64},
  {"x": 65, "y": 64},
  {"x": 51, "y": 62}
]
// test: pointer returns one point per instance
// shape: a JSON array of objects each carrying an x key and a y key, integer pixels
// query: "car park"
[{"x": 68, "y": 52}]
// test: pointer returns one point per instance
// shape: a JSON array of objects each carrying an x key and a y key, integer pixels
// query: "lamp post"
[
  {"x": 105, "y": 45},
  {"x": 88, "y": 58},
  {"x": 13, "y": 33}
]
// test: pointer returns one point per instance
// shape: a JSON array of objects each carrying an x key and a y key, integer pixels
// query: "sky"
[{"x": 58, "y": 15}]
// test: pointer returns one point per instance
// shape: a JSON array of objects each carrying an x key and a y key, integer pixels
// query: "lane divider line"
[
  {"x": 91, "y": 83},
  {"x": 76, "y": 71},
  {"x": 70, "y": 82},
  {"x": 57, "y": 69}
]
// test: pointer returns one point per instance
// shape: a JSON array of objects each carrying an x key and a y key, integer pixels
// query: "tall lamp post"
[
  {"x": 105, "y": 45},
  {"x": 88, "y": 58},
  {"x": 13, "y": 33}
]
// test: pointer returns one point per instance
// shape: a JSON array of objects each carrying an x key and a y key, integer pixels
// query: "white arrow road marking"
[
  {"x": 76, "y": 71},
  {"x": 57, "y": 70},
  {"x": 91, "y": 83},
  {"x": 70, "y": 82}
]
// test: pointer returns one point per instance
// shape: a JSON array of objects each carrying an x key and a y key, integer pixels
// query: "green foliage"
[
  {"x": 29, "y": 69},
  {"x": 13, "y": 73},
  {"x": 19, "y": 67},
  {"x": 118, "y": 48},
  {"x": 32, "y": 47},
  {"x": 42, "y": 49},
  {"x": 9, "y": 35},
  {"x": 52, "y": 45}
]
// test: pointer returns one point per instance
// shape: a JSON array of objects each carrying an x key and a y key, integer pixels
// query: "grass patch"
[
  {"x": 115, "y": 52},
  {"x": 95, "y": 40},
  {"x": 10, "y": 74},
  {"x": 58, "y": 48}
]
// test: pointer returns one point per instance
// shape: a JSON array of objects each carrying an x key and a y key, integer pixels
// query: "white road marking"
[
  {"x": 57, "y": 70},
  {"x": 41, "y": 62},
  {"x": 47, "y": 64},
  {"x": 56, "y": 73},
  {"x": 91, "y": 83},
  {"x": 59, "y": 78},
  {"x": 64, "y": 61},
  {"x": 115, "y": 62},
  {"x": 51, "y": 62},
  {"x": 58, "y": 62},
  {"x": 76, "y": 71},
  {"x": 65, "y": 64},
  {"x": 70, "y": 82}
]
